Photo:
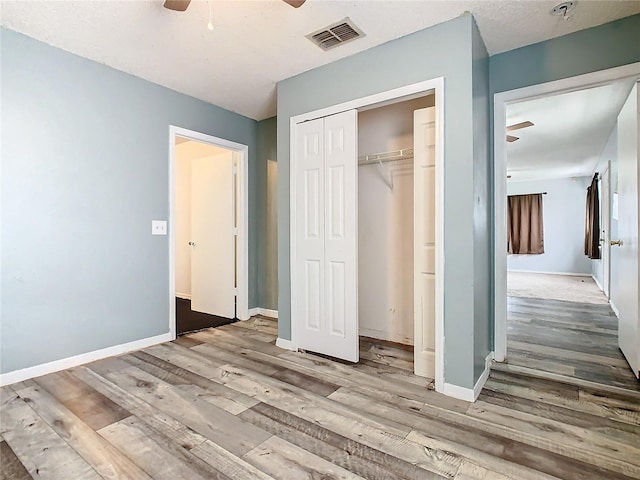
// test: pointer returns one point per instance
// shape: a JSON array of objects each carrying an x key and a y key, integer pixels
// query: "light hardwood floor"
[{"x": 228, "y": 404}]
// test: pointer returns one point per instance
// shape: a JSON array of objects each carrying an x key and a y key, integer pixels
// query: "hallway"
[{"x": 570, "y": 339}]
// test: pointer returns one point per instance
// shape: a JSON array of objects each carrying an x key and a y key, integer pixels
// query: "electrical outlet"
[{"x": 158, "y": 227}]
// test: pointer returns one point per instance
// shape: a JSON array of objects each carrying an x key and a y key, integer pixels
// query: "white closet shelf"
[{"x": 404, "y": 154}]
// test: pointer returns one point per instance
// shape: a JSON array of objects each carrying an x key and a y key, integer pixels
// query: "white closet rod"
[{"x": 404, "y": 154}]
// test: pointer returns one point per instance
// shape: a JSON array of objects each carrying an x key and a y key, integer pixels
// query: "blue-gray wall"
[
  {"x": 84, "y": 171},
  {"x": 482, "y": 246},
  {"x": 267, "y": 227},
  {"x": 444, "y": 50},
  {"x": 563, "y": 212},
  {"x": 598, "y": 48}
]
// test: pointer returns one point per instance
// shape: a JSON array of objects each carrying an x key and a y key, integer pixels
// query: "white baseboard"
[
  {"x": 70, "y": 362},
  {"x": 382, "y": 335},
  {"x": 615, "y": 309},
  {"x": 597, "y": 283},
  {"x": 571, "y": 274},
  {"x": 470, "y": 394},
  {"x": 186, "y": 296},
  {"x": 286, "y": 344},
  {"x": 265, "y": 312}
]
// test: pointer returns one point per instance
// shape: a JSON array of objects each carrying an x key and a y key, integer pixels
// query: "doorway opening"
[
  {"x": 388, "y": 221},
  {"x": 353, "y": 242},
  {"x": 555, "y": 263},
  {"x": 208, "y": 242}
]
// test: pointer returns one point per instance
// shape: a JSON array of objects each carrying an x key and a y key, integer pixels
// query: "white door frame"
[
  {"x": 500, "y": 102},
  {"x": 397, "y": 94},
  {"x": 242, "y": 206}
]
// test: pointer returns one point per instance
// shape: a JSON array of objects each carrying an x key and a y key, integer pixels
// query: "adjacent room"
[
  {"x": 561, "y": 152},
  {"x": 267, "y": 240}
]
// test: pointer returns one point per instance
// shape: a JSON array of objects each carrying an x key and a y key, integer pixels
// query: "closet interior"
[{"x": 386, "y": 220}]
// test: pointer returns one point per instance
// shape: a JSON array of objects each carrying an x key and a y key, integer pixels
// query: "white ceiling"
[
  {"x": 190, "y": 149},
  {"x": 255, "y": 44},
  {"x": 569, "y": 133}
]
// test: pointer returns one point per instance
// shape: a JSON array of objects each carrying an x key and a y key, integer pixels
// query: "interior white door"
[
  {"x": 627, "y": 252},
  {"x": 424, "y": 241},
  {"x": 605, "y": 217},
  {"x": 325, "y": 309},
  {"x": 212, "y": 235}
]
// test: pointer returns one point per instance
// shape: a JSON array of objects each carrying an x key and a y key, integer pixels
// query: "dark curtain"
[
  {"x": 592, "y": 221},
  {"x": 524, "y": 224}
]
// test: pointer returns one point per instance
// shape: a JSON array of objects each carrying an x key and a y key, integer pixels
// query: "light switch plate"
[{"x": 158, "y": 227}]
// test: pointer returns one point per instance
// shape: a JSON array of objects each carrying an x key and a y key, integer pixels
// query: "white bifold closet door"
[
  {"x": 325, "y": 300},
  {"x": 424, "y": 192}
]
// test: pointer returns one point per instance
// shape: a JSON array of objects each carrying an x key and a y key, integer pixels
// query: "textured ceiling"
[
  {"x": 569, "y": 133},
  {"x": 255, "y": 44}
]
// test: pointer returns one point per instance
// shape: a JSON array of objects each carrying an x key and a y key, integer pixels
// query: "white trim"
[
  {"x": 384, "y": 335},
  {"x": 241, "y": 152},
  {"x": 615, "y": 309},
  {"x": 439, "y": 235},
  {"x": 285, "y": 344},
  {"x": 597, "y": 283},
  {"x": 470, "y": 394},
  {"x": 70, "y": 362},
  {"x": 186, "y": 296},
  {"x": 500, "y": 102},
  {"x": 265, "y": 312},
  {"x": 437, "y": 85},
  {"x": 569, "y": 274}
]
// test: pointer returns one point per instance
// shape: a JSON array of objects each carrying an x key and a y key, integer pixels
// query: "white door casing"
[
  {"x": 212, "y": 235},
  {"x": 325, "y": 317},
  {"x": 626, "y": 254},
  {"x": 424, "y": 242}
]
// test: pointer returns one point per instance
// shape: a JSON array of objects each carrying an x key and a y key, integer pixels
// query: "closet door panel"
[
  {"x": 424, "y": 242},
  {"x": 312, "y": 300},
  {"x": 428, "y": 285},
  {"x": 324, "y": 303},
  {"x": 337, "y": 305},
  {"x": 308, "y": 305},
  {"x": 336, "y": 207},
  {"x": 341, "y": 192},
  {"x": 427, "y": 178}
]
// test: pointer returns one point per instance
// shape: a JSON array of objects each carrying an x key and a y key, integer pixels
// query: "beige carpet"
[{"x": 554, "y": 287}]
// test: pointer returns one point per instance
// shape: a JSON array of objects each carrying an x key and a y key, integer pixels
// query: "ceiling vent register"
[{"x": 335, "y": 35}]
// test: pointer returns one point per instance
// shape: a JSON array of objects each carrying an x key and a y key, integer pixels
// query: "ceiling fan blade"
[
  {"x": 511, "y": 138},
  {"x": 518, "y": 126},
  {"x": 295, "y": 3},
  {"x": 177, "y": 5}
]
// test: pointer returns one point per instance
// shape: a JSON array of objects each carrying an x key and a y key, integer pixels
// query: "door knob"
[
  {"x": 193, "y": 244},
  {"x": 615, "y": 242}
]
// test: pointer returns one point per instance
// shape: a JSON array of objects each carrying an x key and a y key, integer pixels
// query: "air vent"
[{"x": 337, "y": 34}]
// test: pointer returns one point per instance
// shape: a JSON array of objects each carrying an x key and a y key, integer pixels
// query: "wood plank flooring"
[
  {"x": 226, "y": 403},
  {"x": 568, "y": 339}
]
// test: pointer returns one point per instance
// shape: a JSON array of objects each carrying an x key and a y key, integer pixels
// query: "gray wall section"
[
  {"x": 482, "y": 247},
  {"x": 84, "y": 171},
  {"x": 267, "y": 227},
  {"x": 599, "y": 48},
  {"x": 563, "y": 212},
  {"x": 440, "y": 51}
]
